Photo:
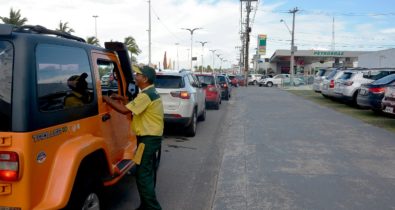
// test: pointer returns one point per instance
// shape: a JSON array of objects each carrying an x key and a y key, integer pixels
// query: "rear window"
[
  {"x": 221, "y": 79},
  {"x": 385, "y": 80},
  {"x": 321, "y": 72},
  {"x": 331, "y": 74},
  {"x": 346, "y": 75},
  {"x": 6, "y": 67},
  {"x": 231, "y": 77},
  {"x": 375, "y": 75},
  {"x": 169, "y": 82},
  {"x": 206, "y": 79}
]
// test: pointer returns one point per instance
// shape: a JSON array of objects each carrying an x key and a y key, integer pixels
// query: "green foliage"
[
  {"x": 14, "y": 18},
  {"x": 93, "y": 41},
  {"x": 63, "y": 27},
  {"x": 132, "y": 47}
]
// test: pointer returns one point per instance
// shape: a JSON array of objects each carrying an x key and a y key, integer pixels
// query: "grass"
[{"x": 365, "y": 115}]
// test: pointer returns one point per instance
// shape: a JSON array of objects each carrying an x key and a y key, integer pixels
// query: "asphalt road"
[{"x": 269, "y": 149}]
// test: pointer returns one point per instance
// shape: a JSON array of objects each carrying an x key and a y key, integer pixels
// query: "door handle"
[{"x": 106, "y": 117}]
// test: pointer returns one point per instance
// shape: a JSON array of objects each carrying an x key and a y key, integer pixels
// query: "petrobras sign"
[
  {"x": 328, "y": 53},
  {"x": 262, "y": 44}
]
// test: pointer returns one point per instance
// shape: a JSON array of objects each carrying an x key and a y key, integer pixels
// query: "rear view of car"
[
  {"x": 212, "y": 89},
  {"x": 389, "y": 100},
  {"x": 319, "y": 77},
  {"x": 330, "y": 82},
  {"x": 225, "y": 86},
  {"x": 371, "y": 95},
  {"x": 233, "y": 80}
]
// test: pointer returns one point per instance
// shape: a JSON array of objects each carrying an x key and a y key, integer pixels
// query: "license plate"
[{"x": 389, "y": 109}]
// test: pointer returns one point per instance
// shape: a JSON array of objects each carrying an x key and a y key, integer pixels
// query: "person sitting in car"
[{"x": 79, "y": 94}]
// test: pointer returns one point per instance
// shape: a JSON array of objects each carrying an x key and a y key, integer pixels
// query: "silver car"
[
  {"x": 350, "y": 82},
  {"x": 319, "y": 76},
  {"x": 329, "y": 83}
]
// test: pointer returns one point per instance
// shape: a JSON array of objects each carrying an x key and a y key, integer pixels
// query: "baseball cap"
[{"x": 147, "y": 71}]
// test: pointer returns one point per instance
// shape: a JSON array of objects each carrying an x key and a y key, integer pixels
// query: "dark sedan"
[
  {"x": 371, "y": 95},
  {"x": 389, "y": 100},
  {"x": 226, "y": 88}
]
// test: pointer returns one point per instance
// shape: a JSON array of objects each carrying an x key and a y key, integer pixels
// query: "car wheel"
[
  {"x": 85, "y": 193},
  {"x": 255, "y": 82},
  {"x": 202, "y": 117},
  {"x": 260, "y": 85},
  {"x": 270, "y": 84},
  {"x": 191, "y": 129},
  {"x": 216, "y": 105}
]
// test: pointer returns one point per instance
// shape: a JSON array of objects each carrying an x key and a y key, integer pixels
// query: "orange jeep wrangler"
[{"x": 59, "y": 142}]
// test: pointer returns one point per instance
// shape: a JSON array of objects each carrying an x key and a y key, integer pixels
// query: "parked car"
[
  {"x": 233, "y": 80},
  {"x": 241, "y": 80},
  {"x": 280, "y": 79},
  {"x": 253, "y": 78},
  {"x": 262, "y": 78},
  {"x": 330, "y": 82},
  {"x": 351, "y": 81},
  {"x": 319, "y": 76},
  {"x": 212, "y": 89},
  {"x": 226, "y": 88},
  {"x": 184, "y": 98},
  {"x": 60, "y": 142},
  {"x": 370, "y": 95},
  {"x": 389, "y": 100}
]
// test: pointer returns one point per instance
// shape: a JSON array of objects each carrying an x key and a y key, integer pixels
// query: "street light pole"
[
  {"x": 213, "y": 51},
  {"x": 95, "y": 16},
  {"x": 203, "y": 43},
  {"x": 191, "y": 31},
  {"x": 178, "y": 63}
]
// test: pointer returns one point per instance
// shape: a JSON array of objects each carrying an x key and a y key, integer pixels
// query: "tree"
[
  {"x": 14, "y": 19},
  {"x": 63, "y": 27},
  {"x": 132, "y": 47},
  {"x": 93, "y": 41}
]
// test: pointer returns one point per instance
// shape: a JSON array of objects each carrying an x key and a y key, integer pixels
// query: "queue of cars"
[
  {"x": 186, "y": 96},
  {"x": 365, "y": 88}
]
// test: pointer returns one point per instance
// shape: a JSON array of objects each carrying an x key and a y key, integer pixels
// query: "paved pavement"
[{"x": 284, "y": 152}]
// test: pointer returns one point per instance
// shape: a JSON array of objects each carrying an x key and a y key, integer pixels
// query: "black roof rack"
[{"x": 42, "y": 30}]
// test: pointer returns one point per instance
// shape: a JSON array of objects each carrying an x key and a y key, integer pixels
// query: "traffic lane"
[
  {"x": 188, "y": 170},
  {"x": 300, "y": 155}
]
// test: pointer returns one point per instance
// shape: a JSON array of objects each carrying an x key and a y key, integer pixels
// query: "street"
[{"x": 269, "y": 149}]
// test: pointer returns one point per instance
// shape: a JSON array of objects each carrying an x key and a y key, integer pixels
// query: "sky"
[{"x": 360, "y": 25}]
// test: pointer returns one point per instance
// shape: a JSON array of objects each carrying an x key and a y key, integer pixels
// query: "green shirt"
[{"x": 147, "y": 109}]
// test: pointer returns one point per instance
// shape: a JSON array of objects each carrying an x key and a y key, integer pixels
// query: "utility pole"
[
  {"x": 149, "y": 32},
  {"x": 178, "y": 63},
  {"x": 247, "y": 42},
  {"x": 213, "y": 51},
  {"x": 294, "y": 11},
  {"x": 191, "y": 31},
  {"x": 203, "y": 43},
  {"x": 95, "y": 16}
]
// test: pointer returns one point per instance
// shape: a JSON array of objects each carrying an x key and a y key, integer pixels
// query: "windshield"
[
  {"x": 221, "y": 79},
  {"x": 206, "y": 79},
  {"x": 168, "y": 82},
  {"x": 6, "y": 67}
]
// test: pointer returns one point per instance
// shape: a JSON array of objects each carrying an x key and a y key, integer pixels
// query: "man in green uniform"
[{"x": 147, "y": 124}]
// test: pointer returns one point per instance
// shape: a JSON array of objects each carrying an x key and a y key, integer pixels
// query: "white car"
[
  {"x": 280, "y": 79},
  {"x": 254, "y": 78},
  {"x": 183, "y": 97}
]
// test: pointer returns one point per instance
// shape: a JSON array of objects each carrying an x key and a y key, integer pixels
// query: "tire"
[
  {"x": 202, "y": 117},
  {"x": 191, "y": 129},
  {"x": 255, "y": 82},
  {"x": 270, "y": 84},
  {"x": 85, "y": 192},
  {"x": 216, "y": 105}
]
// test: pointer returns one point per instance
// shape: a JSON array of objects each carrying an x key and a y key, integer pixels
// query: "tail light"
[
  {"x": 332, "y": 84},
  {"x": 348, "y": 83},
  {"x": 9, "y": 166},
  {"x": 377, "y": 90},
  {"x": 181, "y": 94},
  {"x": 224, "y": 85}
]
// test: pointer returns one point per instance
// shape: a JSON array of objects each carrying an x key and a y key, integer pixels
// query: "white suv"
[
  {"x": 183, "y": 98},
  {"x": 254, "y": 78}
]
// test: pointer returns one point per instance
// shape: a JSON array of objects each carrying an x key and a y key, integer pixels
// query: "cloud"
[{"x": 388, "y": 31}]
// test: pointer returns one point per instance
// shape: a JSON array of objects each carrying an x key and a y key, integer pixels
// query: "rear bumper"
[
  {"x": 169, "y": 119},
  {"x": 368, "y": 102}
]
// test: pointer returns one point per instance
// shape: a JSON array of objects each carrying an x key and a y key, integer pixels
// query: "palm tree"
[
  {"x": 14, "y": 19},
  {"x": 130, "y": 43},
  {"x": 93, "y": 41},
  {"x": 63, "y": 27}
]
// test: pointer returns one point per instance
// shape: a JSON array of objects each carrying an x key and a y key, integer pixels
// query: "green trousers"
[{"x": 145, "y": 172}]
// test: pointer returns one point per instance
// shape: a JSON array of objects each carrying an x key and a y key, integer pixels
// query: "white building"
[{"x": 378, "y": 59}]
